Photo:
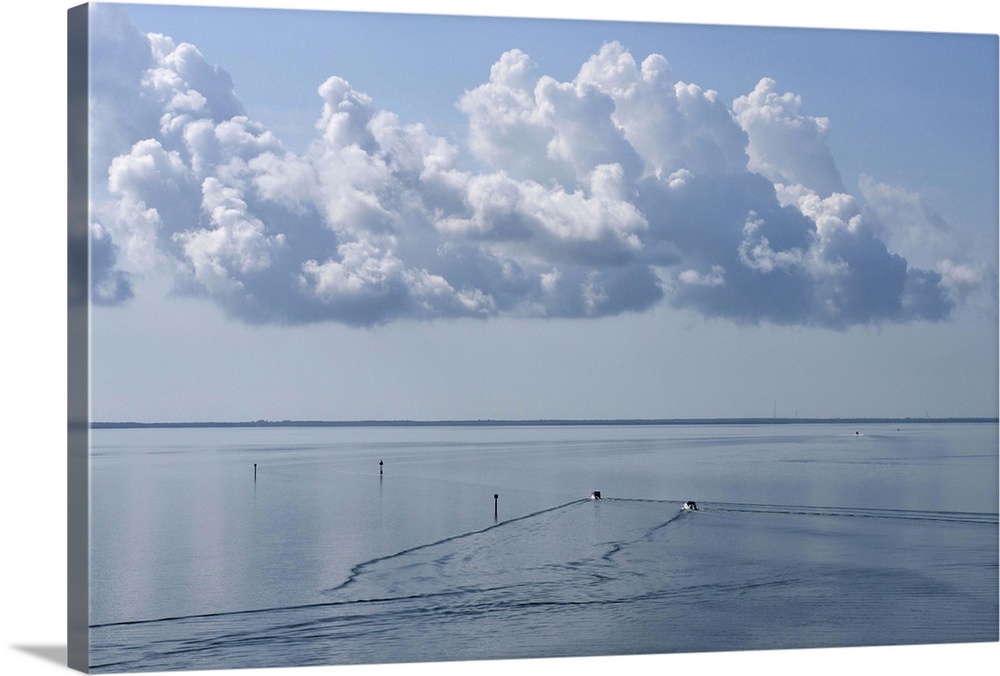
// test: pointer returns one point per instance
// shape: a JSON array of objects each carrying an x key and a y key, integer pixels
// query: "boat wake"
[{"x": 653, "y": 576}]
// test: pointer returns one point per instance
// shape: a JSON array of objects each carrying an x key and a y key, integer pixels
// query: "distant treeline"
[{"x": 536, "y": 423}]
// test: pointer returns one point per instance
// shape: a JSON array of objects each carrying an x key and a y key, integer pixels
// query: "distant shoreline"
[{"x": 535, "y": 423}]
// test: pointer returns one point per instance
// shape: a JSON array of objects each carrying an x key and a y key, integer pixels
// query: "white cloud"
[
  {"x": 148, "y": 168},
  {"x": 504, "y": 126},
  {"x": 607, "y": 194},
  {"x": 671, "y": 125},
  {"x": 549, "y": 222},
  {"x": 755, "y": 250},
  {"x": 185, "y": 83},
  {"x": 716, "y": 277},
  {"x": 613, "y": 112},
  {"x": 908, "y": 224},
  {"x": 368, "y": 284},
  {"x": 233, "y": 142},
  {"x": 786, "y": 146}
]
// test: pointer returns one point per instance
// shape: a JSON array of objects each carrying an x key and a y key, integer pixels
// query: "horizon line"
[{"x": 486, "y": 422}]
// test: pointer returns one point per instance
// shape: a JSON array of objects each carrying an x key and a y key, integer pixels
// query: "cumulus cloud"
[
  {"x": 613, "y": 192},
  {"x": 785, "y": 146},
  {"x": 911, "y": 227},
  {"x": 908, "y": 224}
]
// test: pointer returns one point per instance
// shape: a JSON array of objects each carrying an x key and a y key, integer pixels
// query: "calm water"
[{"x": 807, "y": 536}]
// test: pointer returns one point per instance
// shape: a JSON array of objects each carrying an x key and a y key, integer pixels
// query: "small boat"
[
  {"x": 596, "y": 495},
  {"x": 690, "y": 506}
]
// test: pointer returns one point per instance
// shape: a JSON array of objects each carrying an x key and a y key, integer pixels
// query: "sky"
[{"x": 344, "y": 216}]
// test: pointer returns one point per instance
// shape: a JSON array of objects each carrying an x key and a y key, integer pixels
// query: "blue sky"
[{"x": 514, "y": 218}]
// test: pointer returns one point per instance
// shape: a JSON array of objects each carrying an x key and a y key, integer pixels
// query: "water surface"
[{"x": 808, "y": 536}]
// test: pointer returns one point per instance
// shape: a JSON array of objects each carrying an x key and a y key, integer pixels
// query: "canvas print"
[{"x": 420, "y": 338}]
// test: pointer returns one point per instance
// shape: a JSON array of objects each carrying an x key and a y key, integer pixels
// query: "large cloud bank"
[{"x": 617, "y": 191}]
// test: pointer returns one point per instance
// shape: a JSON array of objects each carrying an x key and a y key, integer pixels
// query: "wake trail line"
[
  {"x": 229, "y": 613},
  {"x": 301, "y": 606},
  {"x": 356, "y": 570},
  {"x": 722, "y": 508},
  {"x": 649, "y": 534},
  {"x": 857, "y": 512},
  {"x": 617, "y": 547}
]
